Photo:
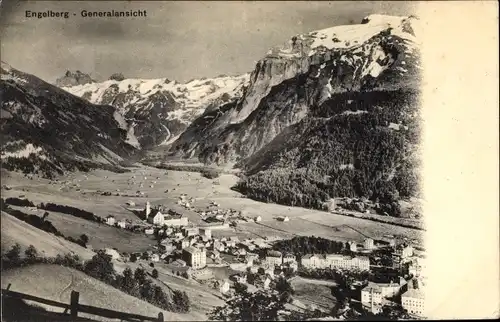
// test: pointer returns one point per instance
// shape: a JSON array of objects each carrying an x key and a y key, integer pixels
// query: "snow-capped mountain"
[
  {"x": 291, "y": 81},
  {"x": 158, "y": 110},
  {"x": 46, "y": 130},
  {"x": 313, "y": 105}
]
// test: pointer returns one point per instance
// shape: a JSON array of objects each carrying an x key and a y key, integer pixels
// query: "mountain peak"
[{"x": 74, "y": 78}]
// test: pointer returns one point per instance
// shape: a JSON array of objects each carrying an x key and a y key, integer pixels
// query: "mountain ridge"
[
  {"x": 47, "y": 130},
  {"x": 361, "y": 85}
]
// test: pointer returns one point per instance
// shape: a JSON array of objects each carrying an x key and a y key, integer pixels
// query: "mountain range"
[
  {"x": 159, "y": 110},
  {"x": 330, "y": 113}
]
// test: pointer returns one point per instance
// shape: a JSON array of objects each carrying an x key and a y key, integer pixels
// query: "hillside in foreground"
[
  {"x": 59, "y": 281},
  {"x": 17, "y": 231}
]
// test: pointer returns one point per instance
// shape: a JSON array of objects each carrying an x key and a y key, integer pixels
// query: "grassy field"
[
  {"x": 59, "y": 281},
  {"x": 203, "y": 190},
  {"x": 17, "y": 231},
  {"x": 310, "y": 292},
  {"x": 100, "y": 235}
]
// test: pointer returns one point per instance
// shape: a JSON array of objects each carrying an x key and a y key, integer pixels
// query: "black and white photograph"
[{"x": 243, "y": 161}]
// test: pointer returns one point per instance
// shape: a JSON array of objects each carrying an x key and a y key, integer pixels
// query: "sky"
[{"x": 177, "y": 40}]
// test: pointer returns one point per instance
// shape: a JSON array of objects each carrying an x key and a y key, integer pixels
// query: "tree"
[
  {"x": 84, "y": 239},
  {"x": 285, "y": 289},
  {"x": 14, "y": 254},
  {"x": 133, "y": 258},
  {"x": 245, "y": 306},
  {"x": 101, "y": 267},
  {"x": 128, "y": 283},
  {"x": 45, "y": 215},
  {"x": 31, "y": 252},
  {"x": 140, "y": 275},
  {"x": 181, "y": 301},
  {"x": 154, "y": 273}
]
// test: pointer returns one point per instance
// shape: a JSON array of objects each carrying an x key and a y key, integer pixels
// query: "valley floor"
[{"x": 164, "y": 187}]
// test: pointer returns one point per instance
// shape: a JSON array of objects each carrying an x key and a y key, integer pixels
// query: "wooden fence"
[{"x": 74, "y": 307}]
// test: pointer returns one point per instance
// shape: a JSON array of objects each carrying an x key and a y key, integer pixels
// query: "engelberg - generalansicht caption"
[{"x": 86, "y": 14}]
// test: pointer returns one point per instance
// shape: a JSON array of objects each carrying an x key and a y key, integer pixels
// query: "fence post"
[
  {"x": 8, "y": 287},
  {"x": 75, "y": 296},
  {"x": 160, "y": 317}
]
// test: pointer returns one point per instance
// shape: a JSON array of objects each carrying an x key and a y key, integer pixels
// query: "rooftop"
[
  {"x": 414, "y": 293},
  {"x": 274, "y": 253},
  {"x": 192, "y": 249}
]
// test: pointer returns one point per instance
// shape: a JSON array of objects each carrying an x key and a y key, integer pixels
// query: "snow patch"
[
  {"x": 357, "y": 112},
  {"x": 25, "y": 152}
]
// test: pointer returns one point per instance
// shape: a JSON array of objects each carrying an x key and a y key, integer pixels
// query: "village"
[
  {"x": 198, "y": 232},
  {"x": 193, "y": 251}
]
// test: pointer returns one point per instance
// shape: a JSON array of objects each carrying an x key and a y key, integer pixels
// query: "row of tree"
[
  {"x": 76, "y": 212},
  {"x": 302, "y": 245},
  {"x": 101, "y": 267},
  {"x": 45, "y": 225}
]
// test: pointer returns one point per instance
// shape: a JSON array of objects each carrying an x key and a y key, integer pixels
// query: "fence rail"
[{"x": 75, "y": 307}]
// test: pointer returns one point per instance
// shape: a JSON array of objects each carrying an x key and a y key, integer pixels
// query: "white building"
[
  {"x": 404, "y": 251},
  {"x": 374, "y": 293},
  {"x": 191, "y": 231},
  {"x": 149, "y": 231},
  {"x": 289, "y": 258},
  {"x": 155, "y": 258},
  {"x": 195, "y": 257},
  {"x": 413, "y": 302},
  {"x": 369, "y": 244},
  {"x": 258, "y": 219},
  {"x": 316, "y": 261},
  {"x": 206, "y": 232},
  {"x": 274, "y": 258},
  {"x": 110, "y": 220},
  {"x": 353, "y": 247},
  {"x": 224, "y": 287},
  {"x": 122, "y": 224},
  {"x": 156, "y": 217}
]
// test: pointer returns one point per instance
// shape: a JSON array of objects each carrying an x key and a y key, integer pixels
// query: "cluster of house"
[
  {"x": 185, "y": 202},
  {"x": 375, "y": 295},
  {"x": 216, "y": 215}
]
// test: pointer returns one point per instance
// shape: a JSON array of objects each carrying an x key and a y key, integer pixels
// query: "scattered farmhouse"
[{"x": 110, "y": 220}]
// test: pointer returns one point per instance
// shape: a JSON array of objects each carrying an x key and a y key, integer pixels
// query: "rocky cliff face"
[
  {"x": 291, "y": 82},
  {"x": 46, "y": 130},
  {"x": 74, "y": 79},
  {"x": 332, "y": 113},
  {"x": 158, "y": 110}
]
